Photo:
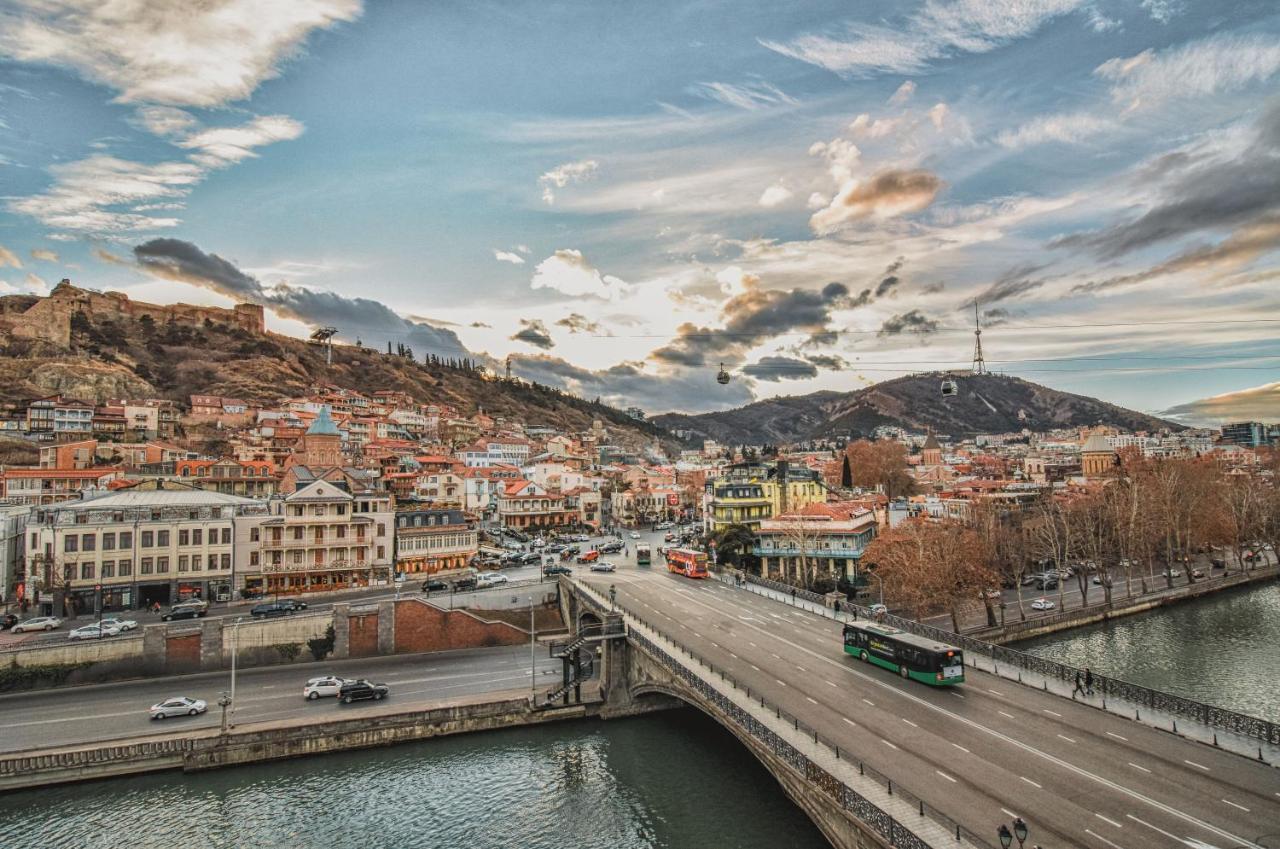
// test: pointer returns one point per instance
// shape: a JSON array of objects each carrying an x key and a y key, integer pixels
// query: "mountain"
[
  {"x": 95, "y": 347},
  {"x": 984, "y": 403}
]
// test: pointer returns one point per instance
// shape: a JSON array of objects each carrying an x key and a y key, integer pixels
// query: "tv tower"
[{"x": 979, "y": 364}]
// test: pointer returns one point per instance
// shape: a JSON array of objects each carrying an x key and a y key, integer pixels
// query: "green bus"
[
  {"x": 643, "y": 554},
  {"x": 918, "y": 658}
]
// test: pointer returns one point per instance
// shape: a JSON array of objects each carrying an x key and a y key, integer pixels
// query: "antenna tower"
[
  {"x": 979, "y": 364},
  {"x": 508, "y": 368}
]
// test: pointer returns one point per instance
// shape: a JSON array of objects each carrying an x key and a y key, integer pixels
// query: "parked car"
[
  {"x": 324, "y": 685},
  {"x": 531, "y": 557},
  {"x": 1217, "y": 563},
  {"x": 466, "y": 582},
  {"x": 353, "y": 691},
  {"x": 634, "y": 535},
  {"x": 122, "y": 624},
  {"x": 1047, "y": 582},
  {"x": 1197, "y": 573},
  {"x": 1171, "y": 573},
  {"x": 431, "y": 584},
  {"x": 670, "y": 537},
  {"x": 179, "y": 613},
  {"x": 194, "y": 603},
  {"x": 603, "y": 566},
  {"x": 589, "y": 557},
  {"x": 273, "y": 609},
  {"x": 554, "y": 548},
  {"x": 94, "y": 632},
  {"x": 178, "y": 706},
  {"x": 38, "y": 623},
  {"x": 492, "y": 579},
  {"x": 1042, "y": 604},
  {"x": 8, "y": 620},
  {"x": 557, "y": 569},
  {"x": 662, "y": 526},
  {"x": 611, "y": 547}
]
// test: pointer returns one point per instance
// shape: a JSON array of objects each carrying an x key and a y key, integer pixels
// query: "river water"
[
  {"x": 674, "y": 779},
  {"x": 1223, "y": 650}
]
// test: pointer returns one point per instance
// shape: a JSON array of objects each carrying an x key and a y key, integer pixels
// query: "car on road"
[
  {"x": 1042, "y": 604},
  {"x": 554, "y": 548},
  {"x": 603, "y": 566},
  {"x": 431, "y": 584},
  {"x": 634, "y": 535},
  {"x": 557, "y": 569},
  {"x": 179, "y": 613},
  {"x": 1100, "y": 580},
  {"x": 354, "y": 691},
  {"x": 38, "y": 623},
  {"x": 324, "y": 685},
  {"x": 94, "y": 632},
  {"x": 467, "y": 582},
  {"x": 589, "y": 557},
  {"x": 122, "y": 624},
  {"x": 611, "y": 547},
  {"x": 7, "y": 621},
  {"x": 284, "y": 607},
  {"x": 878, "y": 610},
  {"x": 178, "y": 706},
  {"x": 491, "y": 579},
  {"x": 195, "y": 603},
  {"x": 1171, "y": 573},
  {"x": 1197, "y": 573}
]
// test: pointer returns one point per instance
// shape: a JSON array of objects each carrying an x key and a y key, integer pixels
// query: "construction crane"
[{"x": 324, "y": 336}]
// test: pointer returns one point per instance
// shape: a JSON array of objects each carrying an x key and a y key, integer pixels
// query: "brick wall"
[
  {"x": 182, "y": 653},
  {"x": 424, "y": 627},
  {"x": 363, "y": 638}
]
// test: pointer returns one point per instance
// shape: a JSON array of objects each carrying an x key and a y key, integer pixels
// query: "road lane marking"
[
  {"x": 1032, "y": 783},
  {"x": 1117, "y": 736},
  {"x": 962, "y": 748},
  {"x": 833, "y": 684},
  {"x": 1173, "y": 837},
  {"x": 1135, "y": 766},
  {"x": 1002, "y": 713},
  {"x": 753, "y": 645},
  {"x": 994, "y": 692},
  {"x": 1202, "y": 766},
  {"x": 811, "y": 699},
  {"x": 801, "y": 668},
  {"x": 1107, "y": 820},
  {"x": 696, "y": 634},
  {"x": 1052, "y": 712},
  {"x": 1065, "y": 737},
  {"x": 1103, "y": 839},
  {"x": 780, "y": 681},
  {"x": 944, "y": 775},
  {"x": 957, "y": 695},
  {"x": 868, "y": 701},
  {"x": 778, "y": 656},
  {"x": 756, "y": 668},
  {"x": 909, "y": 722},
  {"x": 1009, "y": 813},
  {"x": 887, "y": 743},
  {"x": 850, "y": 721},
  {"x": 1234, "y": 805}
]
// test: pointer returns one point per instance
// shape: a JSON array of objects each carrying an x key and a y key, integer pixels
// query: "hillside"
[
  {"x": 987, "y": 403},
  {"x": 119, "y": 356}
]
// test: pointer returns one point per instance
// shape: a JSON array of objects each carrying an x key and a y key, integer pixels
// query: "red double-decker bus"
[{"x": 687, "y": 562}]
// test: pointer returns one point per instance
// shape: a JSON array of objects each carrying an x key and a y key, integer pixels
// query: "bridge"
[{"x": 877, "y": 761}]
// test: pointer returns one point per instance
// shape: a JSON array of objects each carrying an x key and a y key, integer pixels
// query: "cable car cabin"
[
  {"x": 918, "y": 658},
  {"x": 949, "y": 388},
  {"x": 723, "y": 376}
]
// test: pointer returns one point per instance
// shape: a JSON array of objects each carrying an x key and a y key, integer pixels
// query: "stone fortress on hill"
[{"x": 49, "y": 319}]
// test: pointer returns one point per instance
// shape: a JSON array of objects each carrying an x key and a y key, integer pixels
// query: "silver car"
[
  {"x": 94, "y": 631},
  {"x": 122, "y": 624},
  {"x": 38, "y": 623},
  {"x": 325, "y": 685},
  {"x": 178, "y": 706}
]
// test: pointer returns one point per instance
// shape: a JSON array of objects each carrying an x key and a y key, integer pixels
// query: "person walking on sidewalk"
[
  {"x": 1079, "y": 688},
  {"x": 1088, "y": 681}
]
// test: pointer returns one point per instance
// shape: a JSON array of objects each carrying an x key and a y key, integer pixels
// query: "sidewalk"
[{"x": 1188, "y": 728}]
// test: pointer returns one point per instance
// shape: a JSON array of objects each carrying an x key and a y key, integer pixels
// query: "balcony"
[
  {"x": 312, "y": 542},
  {"x": 309, "y": 566},
  {"x": 841, "y": 553}
]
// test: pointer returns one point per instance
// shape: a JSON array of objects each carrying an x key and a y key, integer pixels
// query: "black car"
[
  {"x": 431, "y": 584},
  {"x": 354, "y": 691},
  {"x": 8, "y": 621},
  {"x": 468, "y": 583},
  {"x": 611, "y": 547},
  {"x": 284, "y": 607},
  {"x": 184, "y": 613},
  {"x": 557, "y": 569}
]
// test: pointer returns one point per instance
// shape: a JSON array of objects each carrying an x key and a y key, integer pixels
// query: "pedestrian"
[
  {"x": 1079, "y": 688},
  {"x": 1088, "y": 681},
  {"x": 793, "y": 595},
  {"x": 836, "y": 604}
]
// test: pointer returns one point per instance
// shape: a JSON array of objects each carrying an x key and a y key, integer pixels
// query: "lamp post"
[
  {"x": 1020, "y": 831},
  {"x": 229, "y": 721},
  {"x": 1006, "y": 836},
  {"x": 533, "y": 650},
  {"x": 224, "y": 701},
  {"x": 613, "y": 598}
]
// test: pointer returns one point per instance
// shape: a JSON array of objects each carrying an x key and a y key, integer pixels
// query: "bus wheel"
[
  {"x": 902, "y": 670},
  {"x": 864, "y": 656}
]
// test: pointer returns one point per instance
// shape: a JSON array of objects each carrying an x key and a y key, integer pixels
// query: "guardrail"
[
  {"x": 1209, "y": 715},
  {"x": 884, "y": 824},
  {"x": 21, "y": 763}
]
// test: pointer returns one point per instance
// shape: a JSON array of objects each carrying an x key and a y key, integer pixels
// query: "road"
[
  {"x": 110, "y": 711},
  {"x": 981, "y": 753}
]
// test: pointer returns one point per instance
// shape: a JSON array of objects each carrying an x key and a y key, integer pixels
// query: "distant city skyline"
[{"x": 622, "y": 199}]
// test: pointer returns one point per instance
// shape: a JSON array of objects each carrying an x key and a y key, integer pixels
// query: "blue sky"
[{"x": 622, "y": 196}]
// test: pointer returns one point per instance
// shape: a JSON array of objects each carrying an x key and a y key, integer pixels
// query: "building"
[
  {"x": 13, "y": 525},
  {"x": 1246, "y": 434},
  {"x": 321, "y": 537},
  {"x": 1096, "y": 456},
  {"x": 57, "y": 418},
  {"x": 790, "y": 488},
  {"x": 931, "y": 451},
  {"x": 69, "y": 455},
  {"x": 524, "y": 504},
  {"x": 818, "y": 541},
  {"x": 430, "y": 541},
  {"x": 737, "y": 504},
  {"x": 39, "y": 487},
  {"x": 249, "y": 478},
  {"x": 157, "y": 542}
]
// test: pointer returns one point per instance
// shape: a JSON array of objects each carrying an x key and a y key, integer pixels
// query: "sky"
[{"x": 620, "y": 198}]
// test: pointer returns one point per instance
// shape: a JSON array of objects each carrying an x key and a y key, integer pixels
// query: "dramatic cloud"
[
  {"x": 886, "y": 194},
  {"x": 534, "y": 332},
  {"x": 44, "y": 255},
  {"x": 627, "y": 384},
  {"x": 831, "y": 362},
  {"x": 1259, "y": 403},
  {"x": 909, "y": 322},
  {"x": 775, "y": 195},
  {"x": 508, "y": 256},
  {"x": 1015, "y": 282},
  {"x": 563, "y": 175},
  {"x": 775, "y": 369},
  {"x": 580, "y": 324},
  {"x": 746, "y": 96},
  {"x": 888, "y": 285},
  {"x": 151, "y": 51},
  {"x": 373, "y": 322},
  {"x": 935, "y": 31},
  {"x": 568, "y": 272},
  {"x": 165, "y": 121},
  {"x": 8, "y": 257}
]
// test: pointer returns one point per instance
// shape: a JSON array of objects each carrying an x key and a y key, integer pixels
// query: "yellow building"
[{"x": 737, "y": 504}]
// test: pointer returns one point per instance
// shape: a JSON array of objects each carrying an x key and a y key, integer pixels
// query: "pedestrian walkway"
[{"x": 1191, "y": 729}]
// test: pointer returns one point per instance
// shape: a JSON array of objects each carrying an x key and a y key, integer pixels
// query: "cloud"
[
  {"x": 535, "y": 333},
  {"x": 577, "y": 323},
  {"x": 567, "y": 271},
  {"x": 908, "y": 322},
  {"x": 36, "y": 283},
  {"x": 891, "y": 280},
  {"x": 151, "y": 51},
  {"x": 628, "y": 384},
  {"x": 1258, "y": 403},
  {"x": 1099, "y": 22},
  {"x": 165, "y": 120},
  {"x": 748, "y": 96},
  {"x": 1014, "y": 283},
  {"x": 1220, "y": 63},
  {"x": 563, "y": 175},
  {"x": 995, "y": 317},
  {"x": 1067, "y": 128},
  {"x": 372, "y": 321},
  {"x": 903, "y": 94},
  {"x": 8, "y": 257},
  {"x": 775, "y": 195},
  {"x": 1162, "y": 11},
  {"x": 831, "y": 362},
  {"x": 775, "y": 369},
  {"x": 865, "y": 128},
  {"x": 885, "y": 194},
  {"x": 219, "y": 146},
  {"x": 933, "y": 288},
  {"x": 508, "y": 256},
  {"x": 935, "y": 31},
  {"x": 44, "y": 255}
]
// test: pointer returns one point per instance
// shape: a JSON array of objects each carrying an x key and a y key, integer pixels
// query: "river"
[
  {"x": 674, "y": 779},
  {"x": 1222, "y": 650}
]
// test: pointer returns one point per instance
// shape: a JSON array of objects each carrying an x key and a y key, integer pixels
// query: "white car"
[
  {"x": 325, "y": 685},
  {"x": 634, "y": 535},
  {"x": 879, "y": 610},
  {"x": 492, "y": 579},
  {"x": 39, "y": 623},
  {"x": 94, "y": 632},
  {"x": 122, "y": 624},
  {"x": 603, "y": 566},
  {"x": 178, "y": 706},
  {"x": 1042, "y": 604}
]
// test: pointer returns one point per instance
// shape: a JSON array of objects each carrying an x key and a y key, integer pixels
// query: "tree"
[
  {"x": 733, "y": 544},
  {"x": 929, "y": 566},
  {"x": 880, "y": 465},
  {"x": 801, "y": 536}
]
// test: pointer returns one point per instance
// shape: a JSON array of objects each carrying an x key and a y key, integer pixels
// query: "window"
[
  {"x": 195, "y": 563},
  {"x": 70, "y": 543},
  {"x": 35, "y": 539},
  {"x": 253, "y": 558},
  {"x": 68, "y": 572},
  {"x": 184, "y": 537},
  {"x": 148, "y": 539},
  {"x": 88, "y": 542},
  {"x": 193, "y": 514},
  {"x": 86, "y": 571},
  {"x": 108, "y": 568},
  {"x": 225, "y": 560},
  {"x": 197, "y": 537},
  {"x": 253, "y": 534},
  {"x": 226, "y": 536},
  {"x": 162, "y": 539},
  {"x": 126, "y": 568},
  {"x": 147, "y": 566},
  {"x": 108, "y": 541},
  {"x": 297, "y": 533},
  {"x": 342, "y": 531},
  {"x": 341, "y": 509},
  {"x": 382, "y": 552},
  {"x": 182, "y": 563},
  {"x": 382, "y": 529},
  {"x": 162, "y": 564},
  {"x": 213, "y": 562}
]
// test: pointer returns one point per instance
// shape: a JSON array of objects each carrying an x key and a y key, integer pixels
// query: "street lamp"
[
  {"x": 1020, "y": 831},
  {"x": 1006, "y": 836},
  {"x": 613, "y": 597}
]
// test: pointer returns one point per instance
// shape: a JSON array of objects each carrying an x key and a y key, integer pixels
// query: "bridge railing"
[
  {"x": 1213, "y": 717},
  {"x": 884, "y": 824}
]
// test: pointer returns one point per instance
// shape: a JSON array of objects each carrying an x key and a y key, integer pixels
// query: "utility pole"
[
  {"x": 533, "y": 650},
  {"x": 235, "y": 650}
]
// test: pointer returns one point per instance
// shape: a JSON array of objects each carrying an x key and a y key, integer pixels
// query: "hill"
[
  {"x": 128, "y": 354},
  {"x": 987, "y": 403}
]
